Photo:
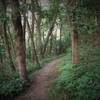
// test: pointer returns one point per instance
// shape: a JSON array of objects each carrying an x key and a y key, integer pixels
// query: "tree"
[
  {"x": 34, "y": 53},
  {"x": 54, "y": 10},
  {"x": 74, "y": 39},
  {"x": 71, "y": 17},
  {"x": 5, "y": 35},
  {"x": 49, "y": 34},
  {"x": 19, "y": 39}
]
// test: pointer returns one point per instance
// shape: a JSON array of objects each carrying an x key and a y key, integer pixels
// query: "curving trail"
[{"x": 41, "y": 82}]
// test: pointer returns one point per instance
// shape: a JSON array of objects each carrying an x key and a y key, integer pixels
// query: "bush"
[
  {"x": 86, "y": 75},
  {"x": 81, "y": 80},
  {"x": 58, "y": 90},
  {"x": 12, "y": 87}
]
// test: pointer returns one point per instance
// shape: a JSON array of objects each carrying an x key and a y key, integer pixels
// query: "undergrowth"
[
  {"x": 80, "y": 81},
  {"x": 11, "y": 85}
]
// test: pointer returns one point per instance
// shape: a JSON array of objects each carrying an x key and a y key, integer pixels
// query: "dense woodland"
[{"x": 34, "y": 32}]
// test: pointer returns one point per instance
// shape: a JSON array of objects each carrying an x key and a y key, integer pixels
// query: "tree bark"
[
  {"x": 60, "y": 42},
  {"x": 33, "y": 45},
  {"x": 24, "y": 25},
  {"x": 51, "y": 44},
  {"x": 5, "y": 36},
  {"x": 74, "y": 39},
  {"x": 38, "y": 32},
  {"x": 11, "y": 39},
  {"x": 19, "y": 40},
  {"x": 48, "y": 35}
]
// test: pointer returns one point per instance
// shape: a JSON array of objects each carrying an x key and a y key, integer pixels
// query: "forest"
[{"x": 49, "y": 50}]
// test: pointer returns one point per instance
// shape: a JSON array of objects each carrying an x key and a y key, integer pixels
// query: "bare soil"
[{"x": 40, "y": 84}]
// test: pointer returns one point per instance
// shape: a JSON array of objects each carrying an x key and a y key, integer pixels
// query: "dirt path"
[{"x": 39, "y": 88}]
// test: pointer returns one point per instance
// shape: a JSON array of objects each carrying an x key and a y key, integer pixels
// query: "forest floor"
[{"x": 41, "y": 81}]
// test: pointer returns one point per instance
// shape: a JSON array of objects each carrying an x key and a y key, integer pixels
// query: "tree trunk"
[
  {"x": 33, "y": 45},
  {"x": 38, "y": 32},
  {"x": 7, "y": 47},
  {"x": 24, "y": 26},
  {"x": 5, "y": 36},
  {"x": 48, "y": 35},
  {"x": 55, "y": 41},
  {"x": 74, "y": 39},
  {"x": 60, "y": 42},
  {"x": 11, "y": 39},
  {"x": 19, "y": 39},
  {"x": 51, "y": 44}
]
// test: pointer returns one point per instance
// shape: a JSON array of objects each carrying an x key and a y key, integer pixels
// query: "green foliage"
[
  {"x": 84, "y": 21},
  {"x": 86, "y": 74},
  {"x": 31, "y": 67},
  {"x": 11, "y": 87},
  {"x": 57, "y": 92},
  {"x": 81, "y": 80}
]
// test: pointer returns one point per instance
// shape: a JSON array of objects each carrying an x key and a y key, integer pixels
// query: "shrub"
[
  {"x": 12, "y": 87},
  {"x": 81, "y": 80}
]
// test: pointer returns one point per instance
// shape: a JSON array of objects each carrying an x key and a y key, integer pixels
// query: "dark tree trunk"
[
  {"x": 19, "y": 39},
  {"x": 74, "y": 39},
  {"x": 35, "y": 57},
  {"x": 24, "y": 25},
  {"x": 5, "y": 36}
]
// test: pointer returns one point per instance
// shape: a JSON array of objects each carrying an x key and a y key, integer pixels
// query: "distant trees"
[
  {"x": 30, "y": 32},
  {"x": 49, "y": 34},
  {"x": 34, "y": 52},
  {"x": 33, "y": 32},
  {"x": 80, "y": 15}
]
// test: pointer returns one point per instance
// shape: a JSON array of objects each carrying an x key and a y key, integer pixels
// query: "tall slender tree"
[
  {"x": 34, "y": 53},
  {"x": 49, "y": 34},
  {"x": 19, "y": 39},
  {"x": 5, "y": 34}
]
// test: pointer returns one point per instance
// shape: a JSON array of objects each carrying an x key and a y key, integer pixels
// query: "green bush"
[
  {"x": 86, "y": 74},
  {"x": 80, "y": 81},
  {"x": 12, "y": 87},
  {"x": 58, "y": 89}
]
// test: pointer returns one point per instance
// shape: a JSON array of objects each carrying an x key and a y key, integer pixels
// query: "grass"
[
  {"x": 78, "y": 81},
  {"x": 64, "y": 68}
]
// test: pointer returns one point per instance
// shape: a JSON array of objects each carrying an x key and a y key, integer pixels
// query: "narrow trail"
[{"x": 41, "y": 82}]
